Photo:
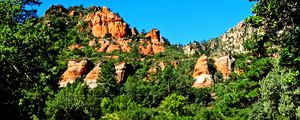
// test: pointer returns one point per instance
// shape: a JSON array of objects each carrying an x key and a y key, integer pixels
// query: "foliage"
[
  {"x": 69, "y": 103},
  {"x": 34, "y": 51},
  {"x": 279, "y": 95},
  {"x": 173, "y": 104}
]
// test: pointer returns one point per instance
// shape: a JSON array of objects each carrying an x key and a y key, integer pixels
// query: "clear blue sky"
[{"x": 180, "y": 21}]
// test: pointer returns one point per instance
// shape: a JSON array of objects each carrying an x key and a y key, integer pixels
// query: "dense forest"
[{"x": 87, "y": 63}]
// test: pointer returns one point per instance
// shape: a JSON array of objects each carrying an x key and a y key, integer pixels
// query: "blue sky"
[{"x": 178, "y": 20}]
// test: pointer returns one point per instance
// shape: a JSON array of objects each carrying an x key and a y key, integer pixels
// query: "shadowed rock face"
[
  {"x": 134, "y": 31},
  {"x": 201, "y": 73},
  {"x": 75, "y": 70},
  {"x": 91, "y": 78},
  {"x": 223, "y": 64},
  {"x": 122, "y": 71},
  {"x": 105, "y": 21}
]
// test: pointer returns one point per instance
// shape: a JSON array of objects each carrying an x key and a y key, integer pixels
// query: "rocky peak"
[
  {"x": 56, "y": 9},
  {"x": 154, "y": 45},
  {"x": 154, "y": 35},
  {"x": 232, "y": 41},
  {"x": 111, "y": 31},
  {"x": 105, "y": 22}
]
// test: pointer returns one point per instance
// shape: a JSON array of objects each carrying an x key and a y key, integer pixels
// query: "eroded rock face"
[
  {"x": 232, "y": 41},
  {"x": 106, "y": 22},
  {"x": 122, "y": 71},
  {"x": 201, "y": 73},
  {"x": 223, "y": 64},
  {"x": 91, "y": 78},
  {"x": 75, "y": 70},
  {"x": 154, "y": 35},
  {"x": 78, "y": 69},
  {"x": 154, "y": 45}
]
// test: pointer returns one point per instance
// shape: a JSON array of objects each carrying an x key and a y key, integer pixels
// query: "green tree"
[
  {"x": 69, "y": 103},
  {"x": 173, "y": 104},
  {"x": 279, "y": 95}
]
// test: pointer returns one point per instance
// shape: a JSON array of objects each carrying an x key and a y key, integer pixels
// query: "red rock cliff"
[{"x": 105, "y": 21}]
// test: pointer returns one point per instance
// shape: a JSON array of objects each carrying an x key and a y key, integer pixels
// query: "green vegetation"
[{"x": 34, "y": 54}]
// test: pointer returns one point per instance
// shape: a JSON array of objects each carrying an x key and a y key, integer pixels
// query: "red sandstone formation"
[
  {"x": 75, "y": 70},
  {"x": 105, "y": 22},
  {"x": 154, "y": 45},
  {"x": 201, "y": 73},
  {"x": 91, "y": 78},
  {"x": 122, "y": 71},
  {"x": 223, "y": 64},
  {"x": 154, "y": 35},
  {"x": 112, "y": 48}
]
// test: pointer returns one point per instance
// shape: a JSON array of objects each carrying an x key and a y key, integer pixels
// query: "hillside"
[{"x": 88, "y": 63}]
